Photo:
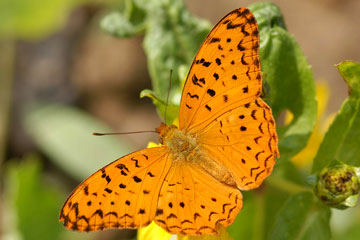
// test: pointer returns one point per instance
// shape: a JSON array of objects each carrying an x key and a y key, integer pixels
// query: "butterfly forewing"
[
  {"x": 124, "y": 194},
  {"x": 225, "y": 73}
]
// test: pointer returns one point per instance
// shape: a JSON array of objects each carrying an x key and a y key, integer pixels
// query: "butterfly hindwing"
[
  {"x": 123, "y": 194},
  {"x": 192, "y": 202},
  {"x": 244, "y": 141}
]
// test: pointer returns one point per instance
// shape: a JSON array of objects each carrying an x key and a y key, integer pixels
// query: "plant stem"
[{"x": 7, "y": 50}]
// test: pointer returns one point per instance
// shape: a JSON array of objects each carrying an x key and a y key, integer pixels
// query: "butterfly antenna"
[
  {"x": 120, "y": 133},
  {"x": 167, "y": 98}
]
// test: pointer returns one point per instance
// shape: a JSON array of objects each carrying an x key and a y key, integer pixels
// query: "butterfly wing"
[
  {"x": 192, "y": 202},
  {"x": 221, "y": 104},
  {"x": 225, "y": 73},
  {"x": 124, "y": 194}
]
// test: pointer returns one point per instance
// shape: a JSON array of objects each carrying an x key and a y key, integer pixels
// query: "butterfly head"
[{"x": 164, "y": 130}]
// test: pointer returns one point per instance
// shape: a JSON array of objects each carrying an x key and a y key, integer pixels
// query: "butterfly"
[{"x": 226, "y": 142}]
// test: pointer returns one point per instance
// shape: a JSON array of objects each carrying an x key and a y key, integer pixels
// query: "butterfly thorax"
[
  {"x": 181, "y": 145},
  {"x": 184, "y": 148}
]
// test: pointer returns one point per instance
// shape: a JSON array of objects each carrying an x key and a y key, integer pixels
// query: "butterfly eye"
[{"x": 161, "y": 139}]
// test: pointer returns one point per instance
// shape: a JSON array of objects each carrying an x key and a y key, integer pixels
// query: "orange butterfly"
[{"x": 226, "y": 142}]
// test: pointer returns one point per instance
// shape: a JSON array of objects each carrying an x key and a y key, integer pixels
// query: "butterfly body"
[
  {"x": 184, "y": 149},
  {"x": 226, "y": 141}
]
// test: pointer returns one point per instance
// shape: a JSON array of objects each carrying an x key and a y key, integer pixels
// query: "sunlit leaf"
[
  {"x": 289, "y": 76},
  {"x": 341, "y": 142}
]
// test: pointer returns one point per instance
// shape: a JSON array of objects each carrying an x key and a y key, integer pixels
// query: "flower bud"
[{"x": 338, "y": 186}]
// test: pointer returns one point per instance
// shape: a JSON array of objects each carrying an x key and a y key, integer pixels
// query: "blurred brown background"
[{"x": 80, "y": 65}]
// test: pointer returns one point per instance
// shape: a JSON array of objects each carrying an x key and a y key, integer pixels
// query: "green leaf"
[
  {"x": 172, "y": 111},
  {"x": 289, "y": 77},
  {"x": 35, "y": 203},
  {"x": 275, "y": 198},
  {"x": 127, "y": 23},
  {"x": 172, "y": 37},
  {"x": 286, "y": 170},
  {"x": 244, "y": 224},
  {"x": 341, "y": 142},
  {"x": 33, "y": 19},
  {"x": 64, "y": 134},
  {"x": 350, "y": 71},
  {"x": 301, "y": 218},
  {"x": 259, "y": 211}
]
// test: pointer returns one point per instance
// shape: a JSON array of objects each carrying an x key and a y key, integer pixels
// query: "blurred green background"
[{"x": 62, "y": 78}]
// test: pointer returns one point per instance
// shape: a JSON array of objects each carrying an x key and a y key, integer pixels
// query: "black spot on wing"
[
  {"x": 215, "y": 40},
  {"x": 195, "y": 81},
  {"x": 243, "y": 13},
  {"x": 208, "y": 108},
  {"x": 193, "y": 96},
  {"x": 211, "y": 92},
  {"x": 243, "y": 60},
  {"x": 108, "y": 179},
  {"x": 136, "y": 162},
  {"x": 98, "y": 212},
  {"x": 159, "y": 212},
  {"x": 216, "y": 76},
  {"x": 244, "y": 31},
  {"x": 258, "y": 174},
  {"x": 171, "y": 216},
  {"x": 108, "y": 190},
  {"x": 122, "y": 167},
  {"x": 239, "y": 46},
  {"x": 218, "y": 61},
  {"x": 230, "y": 25},
  {"x": 251, "y": 20},
  {"x": 86, "y": 190},
  {"x": 137, "y": 179},
  {"x": 225, "y": 98},
  {"x": 253, "y": 169},
  {"x": 206, "y": 64},
  {"x": 253, "y": 114}
]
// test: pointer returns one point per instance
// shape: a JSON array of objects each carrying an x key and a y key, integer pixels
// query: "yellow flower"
[
  {"x": 155, "y": 232},
  {"x": 303, "y": 158}
]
